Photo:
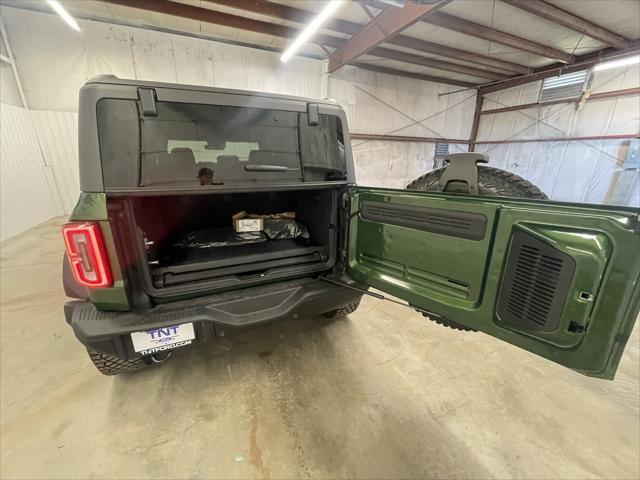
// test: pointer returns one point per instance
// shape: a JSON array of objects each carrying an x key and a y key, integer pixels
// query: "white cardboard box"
[{"x": 242, "y": 225}]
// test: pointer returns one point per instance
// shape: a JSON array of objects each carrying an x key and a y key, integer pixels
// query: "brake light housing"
[{"x": 87, "y": 254}]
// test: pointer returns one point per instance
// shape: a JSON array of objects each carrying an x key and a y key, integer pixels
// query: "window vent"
[
  {"x": 563, "y": 87},
  {"x": 535, "y": 284}
]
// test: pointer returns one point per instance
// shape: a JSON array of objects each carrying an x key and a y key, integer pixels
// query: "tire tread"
[
  {"x": 342, "y": 311},
  {"x": 500, "y": 182},
  {"x": 109, "y": 365}
]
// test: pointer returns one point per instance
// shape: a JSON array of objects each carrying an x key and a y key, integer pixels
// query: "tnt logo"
[{"x": 161, "y": 334}]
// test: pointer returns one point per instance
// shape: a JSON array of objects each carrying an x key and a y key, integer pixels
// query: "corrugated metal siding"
[
  {"x": 28, "y": 191},
  {"x": 58, "y": 136}
]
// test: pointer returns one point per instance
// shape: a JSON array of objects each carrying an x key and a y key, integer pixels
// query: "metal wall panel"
[
  {"x": 57, "y": 134},
  {"x": 28, "y": 192},
  {"x": 140, "y": 54},
  {"x": 378, "y": 103},
  {"x": 578, "y": 171},
  {"x": 9, "y": 92}
]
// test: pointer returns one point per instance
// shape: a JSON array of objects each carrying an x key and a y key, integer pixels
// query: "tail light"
[{"x": 87, "y": 254}]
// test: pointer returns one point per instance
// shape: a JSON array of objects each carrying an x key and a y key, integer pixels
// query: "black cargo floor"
[{"x": 179, "y": 260}]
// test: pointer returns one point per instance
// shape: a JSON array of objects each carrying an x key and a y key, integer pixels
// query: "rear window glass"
[{"x": 212, "y": 144}]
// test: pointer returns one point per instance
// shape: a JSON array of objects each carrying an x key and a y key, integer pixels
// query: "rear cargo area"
[{"x": 181, "y": 243}]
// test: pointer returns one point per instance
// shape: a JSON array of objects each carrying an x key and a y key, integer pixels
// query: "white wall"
[
  {"x": 55, "y": 61},
  {"x": 578, "y": 171},
  {"x": 28, "y": 194},
  {"x": 377, "y": 103}
]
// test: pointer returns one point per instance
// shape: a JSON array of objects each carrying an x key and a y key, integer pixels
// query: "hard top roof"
[{"x": 113, "y": 80}]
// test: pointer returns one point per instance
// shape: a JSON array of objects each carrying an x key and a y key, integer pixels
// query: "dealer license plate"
[{"x": 165, "y": 338}]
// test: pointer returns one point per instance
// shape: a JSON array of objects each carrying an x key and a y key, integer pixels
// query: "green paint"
[
  {"x": 417, "y": 266},
  {"x": 90, "y": 206},
  {"x": 93, "y": 207},
  {"x": 111, "y": 299}
]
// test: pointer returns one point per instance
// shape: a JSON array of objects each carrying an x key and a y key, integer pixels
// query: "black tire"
[
  {"x": 108, "y": 365},
  {"x": 491, "y": 181},
  {"x": 342, "y": 311}
]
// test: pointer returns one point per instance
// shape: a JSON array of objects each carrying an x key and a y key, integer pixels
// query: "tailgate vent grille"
[{"x": 535, "y": 284}]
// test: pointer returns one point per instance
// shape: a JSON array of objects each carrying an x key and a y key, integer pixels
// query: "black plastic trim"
[
  {"x": 148, "y": 102},
  {"x": 535, "y": 284},
  {"x": 209, "y": 189},
  {"x": 109, "y": 332},
  {"x": 139, "y": 258},
  {"x": 471, "y": 226}
]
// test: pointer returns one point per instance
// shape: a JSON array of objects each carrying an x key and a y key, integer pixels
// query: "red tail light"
[{"x": 87, "y": 254}]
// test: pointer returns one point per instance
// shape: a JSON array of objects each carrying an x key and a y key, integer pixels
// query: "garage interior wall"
[
  {"x": 591, "y": 171},
  {"x": 391, "y": 105},
  {"x": 39, "y": 144},
  {"x": 28, "y": 188},
  {"x": 53, "y": 62}
]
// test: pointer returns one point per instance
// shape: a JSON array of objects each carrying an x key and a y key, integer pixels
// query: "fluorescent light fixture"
[
  {"x": 310, "y": 29},
  {"x": 621, "y": 62},
  {"x": 59, "y": 9}
]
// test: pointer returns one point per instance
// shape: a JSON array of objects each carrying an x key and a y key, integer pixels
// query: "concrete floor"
[{"x": 381, "y": 394}]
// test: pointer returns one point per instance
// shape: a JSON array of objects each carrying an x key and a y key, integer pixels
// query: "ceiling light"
[
  {"x": 59, "y": 9},
  {"x": 310, "y": 29},
  {"x": 621, "y": 62}
]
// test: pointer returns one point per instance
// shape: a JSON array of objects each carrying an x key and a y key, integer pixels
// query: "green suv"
[{"x": 154, "y": 262}]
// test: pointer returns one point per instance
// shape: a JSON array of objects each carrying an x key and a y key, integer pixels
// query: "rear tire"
[
  {"x": 109, "y": 365},
  {"x": 342, "y": 311},
  {"x": 491, "y": 181}
]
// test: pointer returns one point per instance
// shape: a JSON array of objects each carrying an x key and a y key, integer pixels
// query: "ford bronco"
[{"x": 154, "y": 263}]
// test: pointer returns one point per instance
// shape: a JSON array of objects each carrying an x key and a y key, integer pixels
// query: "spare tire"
[{"x": 491, "y": 181}]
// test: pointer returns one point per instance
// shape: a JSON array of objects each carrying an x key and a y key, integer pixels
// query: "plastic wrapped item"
[
  {"x": 218, "y": 237},
  {"x": 284, "y": 229}
]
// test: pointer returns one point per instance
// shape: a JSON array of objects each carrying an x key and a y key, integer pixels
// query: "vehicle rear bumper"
[{"x": 217, "y": 315}]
